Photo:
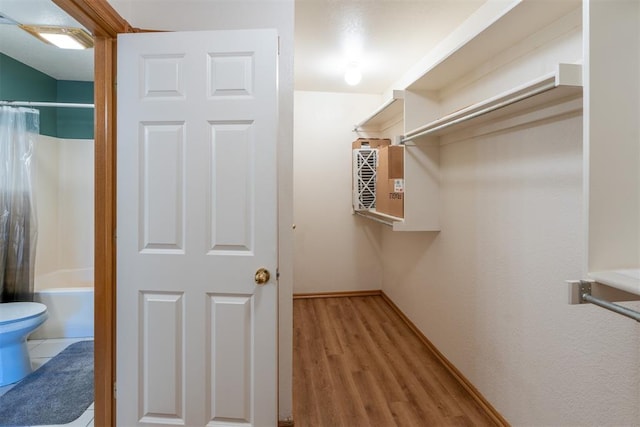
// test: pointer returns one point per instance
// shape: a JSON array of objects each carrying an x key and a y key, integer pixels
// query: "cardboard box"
[
  {"x": 371, "y": 142},
  {"x": 390, "y": 181},
  {"x": 395, "y": 161},
  {"x": 369, "y": 194}
]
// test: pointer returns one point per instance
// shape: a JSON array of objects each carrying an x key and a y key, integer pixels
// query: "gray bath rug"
[{"x": 56, "y": 393}]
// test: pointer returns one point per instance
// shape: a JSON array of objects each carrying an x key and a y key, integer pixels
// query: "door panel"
[
  {"x": 197, "y": 120},
  {"x": 232, "y": 190},
  {"x": 162, "y": 182},
  {"x": 231, "y": 375},
  {"x": 162, "y": 355}
]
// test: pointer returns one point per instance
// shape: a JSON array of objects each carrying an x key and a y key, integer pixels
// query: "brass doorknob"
[{"x": 262, "y": 276}]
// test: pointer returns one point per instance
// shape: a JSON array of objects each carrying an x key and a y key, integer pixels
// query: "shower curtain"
[{"x": 18, "y": 129}]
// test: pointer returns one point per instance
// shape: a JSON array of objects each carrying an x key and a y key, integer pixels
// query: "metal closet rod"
[
  {"x": 585, "y": 296},
  {"x": 46, "y": 104}
]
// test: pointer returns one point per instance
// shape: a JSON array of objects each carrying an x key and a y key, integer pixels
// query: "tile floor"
[{"x": 41, "y": 351}]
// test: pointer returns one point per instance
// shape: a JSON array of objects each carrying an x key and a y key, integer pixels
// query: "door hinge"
[
  {"x": 278, "y": 45},
  {"x": 277, "y": 273},
  {"x": 115, "y": 390}
]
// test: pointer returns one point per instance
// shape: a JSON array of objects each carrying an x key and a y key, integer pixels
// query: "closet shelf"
[
  {"x": 380, "y": 217},
  {"x": 564, "y": 83},
  {"x": 518, "y": 21},
  {"x": 386, "y": 113},
  {"x": 625, "y": 280}
]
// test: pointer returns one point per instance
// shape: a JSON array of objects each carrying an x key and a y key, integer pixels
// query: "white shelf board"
[
  {"x": 379, "y": 217},
  {"x": 565, "y": 83},
  {"x": 391, "y": 109},
  {"x": 520, "y": 21},
  {"x": 627, "y": 280}
]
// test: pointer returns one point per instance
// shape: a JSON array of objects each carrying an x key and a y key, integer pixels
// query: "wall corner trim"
[{"x": 341, "y": 294}]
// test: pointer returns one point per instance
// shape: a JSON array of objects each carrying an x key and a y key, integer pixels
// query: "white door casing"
[{"x": 196, "y": 218}]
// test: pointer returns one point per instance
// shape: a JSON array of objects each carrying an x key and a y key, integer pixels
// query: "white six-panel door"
[{"x": 196, "y": 336}]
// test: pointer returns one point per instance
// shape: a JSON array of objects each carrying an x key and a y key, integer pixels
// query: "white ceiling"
[
  {"x": 16, "y": 43},
  {"x": 386, "y": 37}
]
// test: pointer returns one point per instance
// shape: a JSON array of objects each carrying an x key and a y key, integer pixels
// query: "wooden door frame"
[{"x": 105, "y": 24}]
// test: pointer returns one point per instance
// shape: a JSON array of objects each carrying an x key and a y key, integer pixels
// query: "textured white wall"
[
  {"x": 193, "y": 15},
  {"x": 488, "y": 290},
  {"x": 334, "y": 250}
]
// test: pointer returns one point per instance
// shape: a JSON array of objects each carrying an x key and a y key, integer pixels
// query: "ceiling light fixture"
[
  {"x": 62, "y": 37},
  {"x": 353, "y": 75}
]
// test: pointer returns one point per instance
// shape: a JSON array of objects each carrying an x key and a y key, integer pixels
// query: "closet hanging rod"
[
  {"x": 46, "y": 104},
  {"x": 586, "y": 297},
  {"x": 473, "y": 114},
  {"x": 381, "y": 221}
]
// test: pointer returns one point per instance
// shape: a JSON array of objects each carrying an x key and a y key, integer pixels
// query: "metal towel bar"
[{"x": 586, "y": 297}]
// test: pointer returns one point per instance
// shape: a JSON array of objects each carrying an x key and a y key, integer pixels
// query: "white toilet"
[{"x": 17, "y": 321}]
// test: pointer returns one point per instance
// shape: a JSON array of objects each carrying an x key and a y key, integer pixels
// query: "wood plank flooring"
[{"x": 357, "y": 364}]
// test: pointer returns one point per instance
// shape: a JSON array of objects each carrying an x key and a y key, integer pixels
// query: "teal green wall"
[
  {"x": 19, "y": 82},
  {"x": 75, "y": 123}
]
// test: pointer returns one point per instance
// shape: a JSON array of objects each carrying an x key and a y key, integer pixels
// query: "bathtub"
[{"x": 68, "y": 296}]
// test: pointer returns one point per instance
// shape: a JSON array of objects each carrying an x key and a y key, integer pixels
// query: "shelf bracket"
[
  {"x": 586, "y": 297},
  {"x": 584, "y": 289}
]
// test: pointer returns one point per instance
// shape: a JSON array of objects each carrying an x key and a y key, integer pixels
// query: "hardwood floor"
[{"x": 356, "y": 364}]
